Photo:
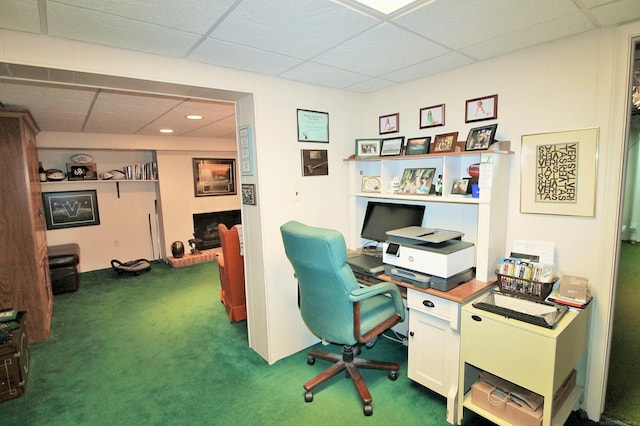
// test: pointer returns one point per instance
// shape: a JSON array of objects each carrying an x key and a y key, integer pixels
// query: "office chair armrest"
[{"x": 366, "y": 292}]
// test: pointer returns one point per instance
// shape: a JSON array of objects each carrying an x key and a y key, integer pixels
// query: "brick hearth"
[{"x": 191, "y": 259}]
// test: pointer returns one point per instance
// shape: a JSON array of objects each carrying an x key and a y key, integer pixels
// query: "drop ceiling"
[{"x": 338, "y": 44}]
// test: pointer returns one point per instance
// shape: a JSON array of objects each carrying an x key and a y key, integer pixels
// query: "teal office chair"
[{"x": 335, "y": 308}]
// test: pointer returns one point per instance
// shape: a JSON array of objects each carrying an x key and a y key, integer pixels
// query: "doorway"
[{"x": 623, "y": 390}]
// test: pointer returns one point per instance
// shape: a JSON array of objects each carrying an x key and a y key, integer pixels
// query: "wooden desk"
[{"x": 434, "y": 335}]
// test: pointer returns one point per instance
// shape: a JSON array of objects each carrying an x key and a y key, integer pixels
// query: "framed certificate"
[{"x": 313, "y": 126}]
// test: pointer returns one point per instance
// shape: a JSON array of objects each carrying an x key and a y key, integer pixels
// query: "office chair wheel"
[
  {"x": 371, "y": 343},
  {"x": 311, "y": 360},
  {"x": 308, "y": 396},
  {"x": 368, "y": 410},
  {"x": 393, "y": 375}
]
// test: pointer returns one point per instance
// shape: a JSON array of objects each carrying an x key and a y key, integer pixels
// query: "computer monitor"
[{"x": 382, "y": 217}]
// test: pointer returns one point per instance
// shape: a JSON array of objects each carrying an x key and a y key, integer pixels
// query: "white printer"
[{"x": 428, "y": 257}]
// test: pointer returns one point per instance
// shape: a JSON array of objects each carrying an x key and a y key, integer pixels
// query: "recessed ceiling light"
[
  {"x": 385, "y": 6},
  {"x": 166, "y": 130},
  {"x": 194, "y": 117}
]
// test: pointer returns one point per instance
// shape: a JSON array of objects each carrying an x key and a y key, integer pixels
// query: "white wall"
[{"x": 573, "y": 83}]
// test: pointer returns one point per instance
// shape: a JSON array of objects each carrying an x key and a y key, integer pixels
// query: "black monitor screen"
[{"x": 383, "y": 217}]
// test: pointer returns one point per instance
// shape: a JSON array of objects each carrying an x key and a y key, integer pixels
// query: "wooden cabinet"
[
  {"x": 533, "y": 357},
  {"x": 24, "y": 268}
]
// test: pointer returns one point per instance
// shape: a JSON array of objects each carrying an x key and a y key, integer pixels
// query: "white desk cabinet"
[
  {"x": 434, "y": 343},
  {"x": 536, "y": 358}
]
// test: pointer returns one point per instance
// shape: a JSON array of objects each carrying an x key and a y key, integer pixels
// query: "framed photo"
[
  {"x": 389, "y": 123},
  {"x": 417, "y": 146},
  {"x": 479, "y": 109},
  {"x": 371, "y": 184},
  {"x": 432, "y": 116},
  {"x": 558, "y": 172},
  {"x": 214, "y": 176},
  {"x": 416, "y": 181},
  {"x": 480, "y": 137},
  {"x": 392, "y": 146},
  {"x": 368, "y": 147},
  {"x": 246, "y": 150},
  {"x": 314, "y": 162},
  {"x": 249, "y": 194},
  {"x": 460, "y": 186},
  {"x": 70, "y": 209},
  {"x": 313, "y": 126},
  {"x": 445, "y": 142}
]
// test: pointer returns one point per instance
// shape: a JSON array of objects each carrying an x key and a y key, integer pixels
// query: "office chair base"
[{"x": 348, "y": 363}]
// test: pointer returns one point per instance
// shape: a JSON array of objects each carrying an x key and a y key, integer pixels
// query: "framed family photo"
[
  {"x": 480, "y": 137},
  {"x": 368, "y": 147},
  {"x": 478, "y": 109},
  {"x": 416, "y": 181},
  {"x": 432, "y": 116},
  {"x": 389, "y": 123},
  {"x": 445, "y": 142}
]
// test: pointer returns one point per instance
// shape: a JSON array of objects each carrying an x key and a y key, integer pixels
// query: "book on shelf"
[{"x": 555, "y": 297}]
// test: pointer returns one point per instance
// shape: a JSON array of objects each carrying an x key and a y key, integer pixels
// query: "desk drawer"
[{"x": 432, "y": 305}]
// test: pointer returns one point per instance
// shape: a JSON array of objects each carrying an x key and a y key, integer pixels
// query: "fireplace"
[{"x": 205, "y": 227}]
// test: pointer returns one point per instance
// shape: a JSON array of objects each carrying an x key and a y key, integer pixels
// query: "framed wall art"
[
  {"x": 460, "y": 186},
  {"x": 314, "y": 162},
  {"x": 480, "y": 137},
  {"x": 417, "y": 146},
  {"x": 432, "y": 116},
  {"x": 445, "y": 142},
  {"x": 479, "y": 109},
  {"x": 313, "y": 126},
  {"x": 249, "y": 194},
  {"x": 70, "y": 209},
  {"x": 389, "y": 123},
  {"x": 559, "y": 172},
  {"x": 214, "y": 176},
  {"x": 246, "y": 150},
  {"x": 368, "y": 147},
  {"x": 392, "y": 146}
]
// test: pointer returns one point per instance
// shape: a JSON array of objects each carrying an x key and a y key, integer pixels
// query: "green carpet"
[
  {"x": 158, "y": 349},
  {"x": 623, "y": 386}
]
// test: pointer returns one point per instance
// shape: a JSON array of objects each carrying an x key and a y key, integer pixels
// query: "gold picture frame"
[{"x": 558, "y": 172}]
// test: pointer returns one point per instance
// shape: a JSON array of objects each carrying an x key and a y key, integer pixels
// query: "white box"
[{"x": 439, "y": 260}]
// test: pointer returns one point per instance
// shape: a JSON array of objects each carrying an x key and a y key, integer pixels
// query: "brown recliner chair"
[{"x": 231, "y": 264}]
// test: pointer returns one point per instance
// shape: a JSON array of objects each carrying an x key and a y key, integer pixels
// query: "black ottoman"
[{"x": 63, "y": 265}]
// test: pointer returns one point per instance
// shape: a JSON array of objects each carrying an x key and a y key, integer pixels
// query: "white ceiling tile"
[
  {"x": 460, "y": 23},
  {"x": 235, "y": 56},
  {"x": 442, "y": 63},
  {"x": 299, "y": 28},
  {"x": 195, "y": 16},
  {"x": 323, "y": 75},
  {"x": 617, "y": 12},
  {"x": 381, "y": 50},
  {"x": 20, "y": 15},
  {"x": 95, "y": 27},
  {"x": 537, "y": 34},
  {"x": 370, "y": 85}
]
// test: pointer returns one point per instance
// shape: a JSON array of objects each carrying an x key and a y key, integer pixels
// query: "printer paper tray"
[{"x": 537, "y": 313}]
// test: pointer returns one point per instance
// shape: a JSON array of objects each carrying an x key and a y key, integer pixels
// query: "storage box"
[
  {"x": 499, "y": 404},
  {"x": 563, "y": 392},
  {"x": 14, "y": 363}
]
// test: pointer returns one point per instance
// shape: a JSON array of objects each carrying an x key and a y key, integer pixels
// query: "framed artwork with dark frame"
[
  {"x": 392, "y": 146},
  {"x": 214, "y": 176},
  {"x": 432, "y": 116},
  {"x": 460, "y": 186},
  {"x": 480, "y": 137},
  {"x": 313, "y": 126},
  {"x": 416, "y": 181},
  {"x": 478, "y": 109},
  {"x": 249, "y": 194},
  {"x": 368, "y": 148},
  {"x": 389, "y": 123},
  {"x": 417, "y": 146},
  {"x": 70, "y": 209},
  {"x": 314, "y": 162},
  {"x": 445, "y": 142}
]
